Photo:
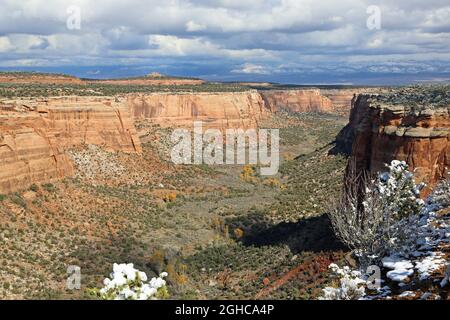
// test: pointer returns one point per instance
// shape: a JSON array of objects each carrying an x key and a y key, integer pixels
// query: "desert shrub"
[
  {"x": 2, "y": 197},
  {"x": 49, "y": 187},
  {"x": 273, "y": 182},
  {"x": 169, "y": 197},
  {"x": 347, "y": 285},
  {"x": 17, "y": 199},
  {"x": 157, "y": 260},
  {"x": 248, "y": 174},
  {"x": 377, "y": 215},
  {"x": 177, "y": 272},
  {"x": 239, "y": 233}
]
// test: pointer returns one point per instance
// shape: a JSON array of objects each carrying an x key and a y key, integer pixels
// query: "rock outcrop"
[
  {"x": 34, "y": 136},
  {"x": 308, "y": 100},
  {"x": 343, "y": 99},
  {"x": 378, "y": 133},
  {"x": 217, "y": 110}
]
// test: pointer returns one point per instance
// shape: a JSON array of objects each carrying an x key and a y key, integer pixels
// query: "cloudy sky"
[{"x": 290, "y": 41}]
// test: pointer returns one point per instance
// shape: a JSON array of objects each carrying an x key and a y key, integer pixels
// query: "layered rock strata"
[
  {"x": 297, "y": 100},
  {"x": 379, "y": 133},
  {"x": 35, "y": 134},
  {"x": 217, "y": 110}
]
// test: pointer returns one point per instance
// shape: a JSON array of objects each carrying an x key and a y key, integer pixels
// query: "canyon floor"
[{"x": 220, "y": 232}]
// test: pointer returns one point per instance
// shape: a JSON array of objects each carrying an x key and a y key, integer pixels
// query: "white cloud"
[
  {"x": 192, "y": 26},
  {"x": 5, "y": 44},
  {"x": 250, "y": 68},
  {"x": 257, "y": 35},
  {"x": 197, "y": 46},
  {"x": 174, "y": 46},
  {"x": 375, "y": 42}
]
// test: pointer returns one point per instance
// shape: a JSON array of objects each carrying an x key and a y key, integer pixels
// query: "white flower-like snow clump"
[
  {"x": 128, "y": 283},
  {"x": 351, "y": 285},
  {"x": 402, "y": 269}
]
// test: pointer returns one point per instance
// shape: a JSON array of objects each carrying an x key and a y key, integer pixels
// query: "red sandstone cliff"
[
  {"x": 35, "y": 134},
  {"x": 377, "y": 134},
  {"x": 341, "y": 99},
  {"x": 27, "y": 155},
  {"x": 217, "y": 110},
  {"x": 309, "y": 100}
]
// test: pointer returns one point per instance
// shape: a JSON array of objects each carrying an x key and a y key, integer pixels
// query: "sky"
[{"x": 286, "y": 41}]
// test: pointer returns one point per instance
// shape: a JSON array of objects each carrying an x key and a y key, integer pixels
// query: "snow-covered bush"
[
  {"x": 376, "y": 216},
  {"x": 399, "y": 190},
  {"x": 410, "y": 247},
  {"x": 350, "y": 284},
  {"x": 440, "y": 197},
  {"x": 401, "y": 198},
  {"x": 128, "y": 283},
  {"x": 356, "y": 219}
]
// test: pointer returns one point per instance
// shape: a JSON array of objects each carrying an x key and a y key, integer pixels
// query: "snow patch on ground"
[{"x": 430, "y": 264}]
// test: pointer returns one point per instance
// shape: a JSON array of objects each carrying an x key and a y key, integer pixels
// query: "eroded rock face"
[
  {"x": 101, "y": 121},
  {"x": 377, "y": 134},
  {"x": 36, "y": 133},
  {"x": 28, "y": 156},
  {"x": 297, "y": 100},
  {"x": 341, "y": 99},
  {"x": 217, "y": 110},
  {"x": 34, "y": 136}
]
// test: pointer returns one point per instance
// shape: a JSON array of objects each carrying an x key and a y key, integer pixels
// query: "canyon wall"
[
  {"x": 101, "y": 121},
  {"x": 27, "y": 155},
  {"x": 377, "y": 134},
  {"x": 34, "y": 135},
  {"x": 310, "y": 100},
  {"x": 341, "y": 99},
  {"x": 217, "y": 110}
]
